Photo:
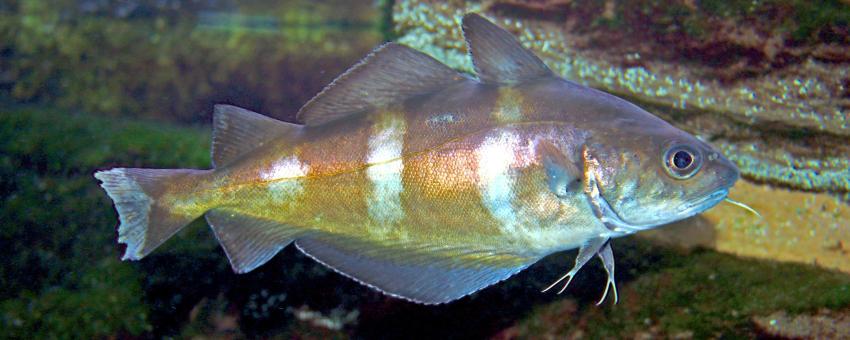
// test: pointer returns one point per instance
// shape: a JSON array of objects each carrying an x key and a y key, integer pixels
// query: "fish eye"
[{"x": 682, "y": 162}]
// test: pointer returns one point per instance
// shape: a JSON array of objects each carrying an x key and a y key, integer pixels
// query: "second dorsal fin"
[
  {"x": 497, "y": 55},
  {"x": 388, "y": 75}
]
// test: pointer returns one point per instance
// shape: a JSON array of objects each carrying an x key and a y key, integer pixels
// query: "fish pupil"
[{"x": 682, "y": 159}]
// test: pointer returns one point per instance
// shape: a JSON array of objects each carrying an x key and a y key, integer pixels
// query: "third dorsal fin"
[
  {"x": 237, "y": 131},
  {"x": 388, "y": 75},
  {"x": 497, "y": 55}
]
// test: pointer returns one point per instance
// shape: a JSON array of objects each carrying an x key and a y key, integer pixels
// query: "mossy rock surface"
[
  {"x": 172, "y": 60},
  {"x": 704, "y": 295},
  {"x": 60, "y": 272}
]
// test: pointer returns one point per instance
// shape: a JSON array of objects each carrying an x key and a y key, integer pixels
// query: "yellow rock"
[{"x": 795, "y": 226}]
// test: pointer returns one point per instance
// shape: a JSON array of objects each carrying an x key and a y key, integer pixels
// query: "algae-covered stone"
[
  {"x": 703, "y": 295},
  {"x": 782, "y": 117},
  {"x": 174, "y": 60},
  {"x": 782, "y": 125}
]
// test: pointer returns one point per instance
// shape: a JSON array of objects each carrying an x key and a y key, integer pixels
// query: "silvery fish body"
[{"x": 428, "y": 184}]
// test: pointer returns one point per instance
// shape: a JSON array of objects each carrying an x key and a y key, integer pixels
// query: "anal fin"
[
  {"x": 421, "y": 274},
  {"x": 249, "y": 242}
]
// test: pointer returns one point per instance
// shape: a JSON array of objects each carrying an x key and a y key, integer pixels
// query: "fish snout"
[{"x": 727, "y": 173}]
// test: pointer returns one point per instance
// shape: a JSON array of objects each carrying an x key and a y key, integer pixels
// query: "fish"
[{"x": 429, "y": 184}]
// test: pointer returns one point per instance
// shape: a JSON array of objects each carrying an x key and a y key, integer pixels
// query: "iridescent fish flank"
[{"x": 428, "y": 184}]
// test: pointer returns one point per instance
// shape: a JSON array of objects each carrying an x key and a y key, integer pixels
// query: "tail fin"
[{"x": 145, "y": 223}]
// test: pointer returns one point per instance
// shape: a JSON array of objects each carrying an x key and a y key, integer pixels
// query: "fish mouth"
[
  {"x": 692, "y": 208},
  {"x": 617, "y": 224}
]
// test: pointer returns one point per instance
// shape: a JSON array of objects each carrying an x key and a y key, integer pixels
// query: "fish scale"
[{"x": 428, "y": 184}]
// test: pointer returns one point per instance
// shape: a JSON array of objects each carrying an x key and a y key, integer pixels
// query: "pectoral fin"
[{"x": 429, "y": 275}]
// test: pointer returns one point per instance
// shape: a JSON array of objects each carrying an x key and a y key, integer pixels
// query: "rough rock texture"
[
  {"x": 174, "y": 63},
  {"x": 775, "y": 103},
  {"x": 822, "y": 325},
  {"x": 796, "y": 226},
  {"x": 784, "y": 125}
]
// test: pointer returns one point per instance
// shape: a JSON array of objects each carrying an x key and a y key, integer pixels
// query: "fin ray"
[
  {"x": 144, "y": 224},
  {"x": 237, "y": 131},
  {"x": 249, "y": 242},
  {"x": 411, "y": 272},
  {"x": 390, "y": 74},
  {"x": 497, "y": 55}
]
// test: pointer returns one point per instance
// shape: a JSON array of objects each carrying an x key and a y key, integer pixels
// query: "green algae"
[
  {"x": 386, "y": 26},
  {"x": 705, "y": 294},
  {"x": 50, "y": 204},
  {"x": 173, "y": 66},
  {"x": 713, "y": 293},
  {"x": 803, "y": 20},
  {"x": 94, "y": 305},
  {"x": 59, "y": 272},
  {"x": 58, "y": 240}
]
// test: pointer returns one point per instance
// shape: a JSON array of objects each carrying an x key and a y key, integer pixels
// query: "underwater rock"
[
  {"x": 795, "y": 227},
  {"x": 700, "y": 295},
  {"x": 174, "y": 63},
  {"x": 823, "y": 325},
  {"x": 776, "y": 107}
]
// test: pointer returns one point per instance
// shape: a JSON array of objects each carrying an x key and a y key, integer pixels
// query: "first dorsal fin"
[
  {"x": 388, "y": 75},
  {"x": 237, "y": 131},
  {"x": 497, "y": 55}
]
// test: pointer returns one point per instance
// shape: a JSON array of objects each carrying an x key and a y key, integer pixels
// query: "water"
[{"x": 88, "y": 85}]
